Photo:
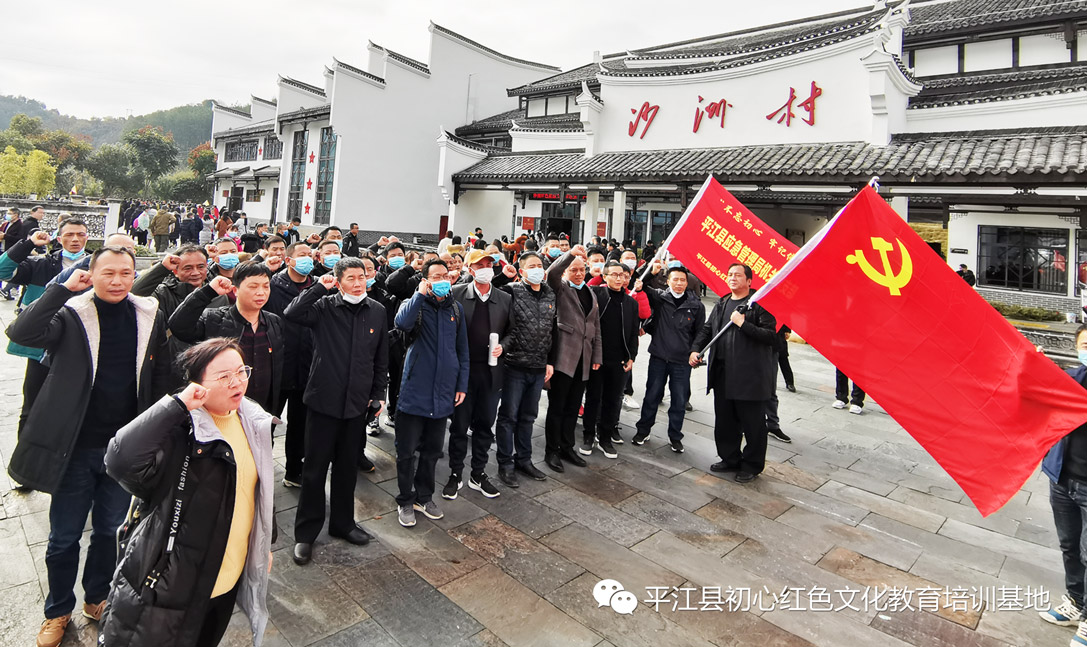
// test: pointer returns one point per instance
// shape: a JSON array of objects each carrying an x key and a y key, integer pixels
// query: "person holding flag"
[{"x": 741, "y": 374}]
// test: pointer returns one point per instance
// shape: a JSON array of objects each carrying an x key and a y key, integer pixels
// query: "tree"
[
  {"x": 190, "y": 187},
  {"x": 66, "y": 149},
  {"x": 41, "y": 174},
  {"x": 111, "y": 165},
  {"x": 12, "y": 171},
  {"x": 202, "y": 160},
  {"x": 155, "y": 151},
  {"x": 21, "y": 144},
  {"x": 29, "y": 127}
]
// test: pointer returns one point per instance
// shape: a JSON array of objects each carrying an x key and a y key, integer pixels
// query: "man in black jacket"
[
  {"x": 526, "y": 351},
  {"x": 253, "y": 241},
  {"x": 486, "y": 313},
  {"x": 619, "y": 325},
  {"x": 741, "y": 374},
  {"x": 259, "y": 333},
  {"x": 348, "y": 379},
  {"x": 109, "y": 362},
  {"x": 297, "y": 356},
  {"x": 351, "y": 241},
  {"x": 678, "y": 315}
]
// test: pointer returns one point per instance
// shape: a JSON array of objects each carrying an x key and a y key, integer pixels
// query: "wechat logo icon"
[{"x": 610, "y": 593}]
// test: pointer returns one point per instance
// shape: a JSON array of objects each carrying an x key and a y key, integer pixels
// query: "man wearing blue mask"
[
  {"x": 226, "y": 260},
  {"x": 325, "y": 256},
  {"x": 576, "y": 350},
  {"x": 435, "y": 381},
  {"x": 34, "y": 272},
  {"x": 297, "y": 356}
]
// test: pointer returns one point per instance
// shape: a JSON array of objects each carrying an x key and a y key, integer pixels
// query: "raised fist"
[
  {"x": 274, "y": 262},
  {"x": 221, "y": 285},
  {"x": 384, "y": 240},
  {"x": 313, "y": 239},
  {"x": 194, "y": 396},
  {"x": 510, "y": 271},
  {"x": 171, "y": 262},
  {"x": 417, "y": 265},
  {"x": 79, "y": 280},
  {"x": 329, "y": 282},
  {"x": 39, "y": 238}
]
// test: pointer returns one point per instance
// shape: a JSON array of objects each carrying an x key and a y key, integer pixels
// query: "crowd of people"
[{"x": 175, "y": 377}]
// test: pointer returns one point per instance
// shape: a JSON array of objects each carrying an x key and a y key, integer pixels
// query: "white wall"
[
  {"x": 1043, "y": 49},
  {"x": 528, "y": 141},
  {"x": 385, "y": 177},
  {"x": 261, "y": 111},
  {"x": 934, "y": 61},
  {"x": 222, "y": 120},
  {"x": 292, "y": 99},
  {"x": 1081, "y": 45},
  {"x": 987, "y": 55},
  {"x": 491, "y": 210},
  {"x": 308, "y": 195},
  {"x": 1037, "y": 112}
]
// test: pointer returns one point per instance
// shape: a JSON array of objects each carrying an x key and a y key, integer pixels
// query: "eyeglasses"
[{"x": 241, "y": 375}]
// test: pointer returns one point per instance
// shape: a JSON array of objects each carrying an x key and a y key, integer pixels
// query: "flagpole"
[
  {"x": 676, "y": 227},
  {"x": 873, "y": 182}
]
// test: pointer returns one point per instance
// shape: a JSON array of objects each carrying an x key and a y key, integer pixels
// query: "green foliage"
[
  {"x": 28, "y": 127},
  {"x": 1026, "y": 313},
  {"x": 12, "y": 171},
  {"x": 154, "y": 150},
  {"x": 202, "y": 160},
  {"x": 111, "y": 165},
  {"x": 189, "y": 186},
  {"x": 66, "y": 149},
  {"x": 11, "y": 138},
  {"x": 41, "y": 174}
]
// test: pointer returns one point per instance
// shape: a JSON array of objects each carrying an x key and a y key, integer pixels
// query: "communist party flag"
[
  {"x": 717, "y": 231},
  {"x": 883, "y": 307}
]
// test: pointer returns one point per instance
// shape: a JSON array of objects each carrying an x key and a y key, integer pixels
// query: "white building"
[
  {"x": 973, "y": 113},
  {"x": 360, "y": 147}
]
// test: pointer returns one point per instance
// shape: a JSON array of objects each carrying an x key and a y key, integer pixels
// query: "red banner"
[
  {"x": 717, "y": 231},
  {"x": 875, "y": 300}
]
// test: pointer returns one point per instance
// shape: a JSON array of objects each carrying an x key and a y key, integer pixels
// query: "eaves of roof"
[
  {"x": 986, "y": 87},
  {"x": 469, "y": 41}
]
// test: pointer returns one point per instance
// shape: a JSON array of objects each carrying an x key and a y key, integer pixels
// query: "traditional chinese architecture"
[
  {"x": 360, "y": 146},
  {"x": 973, "y": 113}
]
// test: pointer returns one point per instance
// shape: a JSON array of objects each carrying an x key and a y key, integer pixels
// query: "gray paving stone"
[
  {"x": 830, "y": 629},
  {"x": 889, "y": 508},
  {"x": 530, "y": 562},
  {"x": 393, "y": 595},
  {"x": 681, "y": 492},
  {"x": 239, "y": 634},
  {"x": 880, "y": 546},
  {"x": 1022, "y": 628},
  {"x": 368, "y": 632},
  {"x": 595, "y": 481},
  {"x": 425, "y": 548},
  {"x": 687, "y": 526},
  {"x": 514, "y": 613},
  {"x": 305, "y": 605},
  {"x": 843, "y": 475},
  {"x": 767, "y": 505},
  {"x": 1049, "y": 558},
  {"x": 525, "y": 513},
  {"x": 1000, "y": 521},
  {"x": 980, "y": 559},
  {"x": 617, "y": 526},
  {"x": 771, "y": 533},
  {"x": 921, "y": 628},
  {"x": 694, "y": 564},
  {"x": 813, "y": 501},
  {"x": 15, "y": 555}
]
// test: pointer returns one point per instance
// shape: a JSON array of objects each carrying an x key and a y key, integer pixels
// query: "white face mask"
[
  {"x": 676, "y": 294},
  {"x": 484, "y": 275},
  {"x": 350, "y": 298}
]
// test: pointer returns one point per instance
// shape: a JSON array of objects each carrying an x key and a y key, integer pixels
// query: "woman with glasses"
[{"x": 200, "y": 463}]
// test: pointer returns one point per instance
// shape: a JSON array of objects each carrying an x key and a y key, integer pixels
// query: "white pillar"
[
  {"x": 589, "y": 215},
  {"x": 617, "y": 226}
]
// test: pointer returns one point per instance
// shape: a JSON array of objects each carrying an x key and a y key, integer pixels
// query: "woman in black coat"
[{"x": 201, "y": 464}]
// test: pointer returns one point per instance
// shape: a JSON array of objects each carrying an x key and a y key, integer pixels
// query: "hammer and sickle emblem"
[{"x": 887, "y": 278}]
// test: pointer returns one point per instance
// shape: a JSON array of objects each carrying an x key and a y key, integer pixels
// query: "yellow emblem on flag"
[{"x": 888, "y": 279}]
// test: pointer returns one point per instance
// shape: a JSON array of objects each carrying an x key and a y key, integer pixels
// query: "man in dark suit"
[{"x": 486, "y": 313}]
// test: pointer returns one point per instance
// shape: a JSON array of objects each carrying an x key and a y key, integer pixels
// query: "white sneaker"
[
  {"x": 1065, "y": 614},
  {"x": 856, "y": 409},
  {"x": 629, "y": 403},
  {"x": 1080, "y": 639},
  {"x": 838, "y": 404}
]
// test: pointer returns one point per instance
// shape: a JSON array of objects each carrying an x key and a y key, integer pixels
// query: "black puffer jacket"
[
  {"x": 532, "y": 322},
  {"x": 159, "y": 598},
  {"x": 631, "y": 323},
  {"x": 298, "y": 341},
  {"x": 744, "y": 356},
  {"x": 195, "y": 320}
]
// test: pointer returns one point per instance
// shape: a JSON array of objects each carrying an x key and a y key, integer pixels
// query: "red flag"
[
  {"x": 877, "y": 302},
  {"x": 717, "y": 231}
]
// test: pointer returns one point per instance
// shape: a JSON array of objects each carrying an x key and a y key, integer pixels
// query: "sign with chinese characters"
[
  {"x": 717, "y": 231},
  {"x": 570, "y": 197},
  {"x": 528, "y": 223},
  {"x": 602, "y": 229}
]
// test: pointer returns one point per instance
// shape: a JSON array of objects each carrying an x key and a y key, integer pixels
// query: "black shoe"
[
  {"x": 554, "y": 462},
  {"x": 374, "y": 428},
  {"x": 780, "y": 435},
  {"x": 745, "y": 477},
  {"x": 616, "y": 438},
  {"x": 724, "y": 467},
  {"x": 508, "y": 478},
  {"x": 790, "y": 388},
  {"x": 303, "y": 553},
  {"x": 530, "y": 470},
  {"x": 452, "y": 487},
  {"x": 356, "y": 536},
  {"x": 688, "y": 407},
  {"x": 677, "y": 446},
  {"x": 483, "y": 485},
  {"x": 365, "y": 464},
  {"x": 639, "y": 438},
  {"x": 608, "y": 449},
  {"x": 571, "y": 456}
]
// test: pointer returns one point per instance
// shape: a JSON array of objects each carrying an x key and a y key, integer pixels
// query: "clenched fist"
[
  {"x": 171, "y": 262},
  {"x": 39, "y": 238},
  {"x": 329, "y": 282},
  {"x": 510, "y": 271},
  {"x": 194, "y": 396},
  {"x": 221, "y": 285},
  {"x": 79, "y": 281},
  {"x": 274, "y": 262}
]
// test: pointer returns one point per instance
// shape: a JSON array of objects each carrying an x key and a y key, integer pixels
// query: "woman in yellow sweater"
[{"x": 200, "y": 462}]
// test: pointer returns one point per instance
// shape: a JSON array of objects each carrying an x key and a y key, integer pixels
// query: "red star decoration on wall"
[
  {"x": 307, "y": 208},
  {"x": 309, "y": 184},
  {"x": 311, "y": 158},
  {"x": 260, "y": 151}
]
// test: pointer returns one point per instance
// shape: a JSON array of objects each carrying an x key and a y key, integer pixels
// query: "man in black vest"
[{"x": 486, "y": 313}]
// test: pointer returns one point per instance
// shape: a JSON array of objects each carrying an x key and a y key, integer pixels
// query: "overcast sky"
[{"x": 111, "y": 57}]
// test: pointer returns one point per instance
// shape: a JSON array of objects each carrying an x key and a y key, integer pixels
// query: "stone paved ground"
[{"x": 853, "y": 502}]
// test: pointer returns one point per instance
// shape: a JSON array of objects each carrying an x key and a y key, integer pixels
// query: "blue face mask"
[
  {"x": 1083, "y": 357},
  {"x": 534, "y": 275},
  {"x": 441, "y": 288},
  {"x": 303, "y": 265},
  {"x": 576, "y": 286},
  {"x": 339, "y": 243},
  {"x": 396, "y": 262},
  {"x": 554, "y": 252},
  {"x": 370, "y": 283},
  {"x": 228, "y": 261},
  {"x": 497, "y": 258},
  {"x": 72, "y": 256},
  {"x": 330, "y": 261},
  {"x": 672, "y": 264}
]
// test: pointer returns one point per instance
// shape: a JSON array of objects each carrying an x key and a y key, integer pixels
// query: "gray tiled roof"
[
  {"x": 1044, "y": 154},
  {"x": 1001, "y": 86},
  {"x": 503, "y": 121},
  {"x": 569, "y": 79},
  {"x": 931, "y": 18},
  {"x": 302, "y": 86},
  {"x": 410, "y": 62}
]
